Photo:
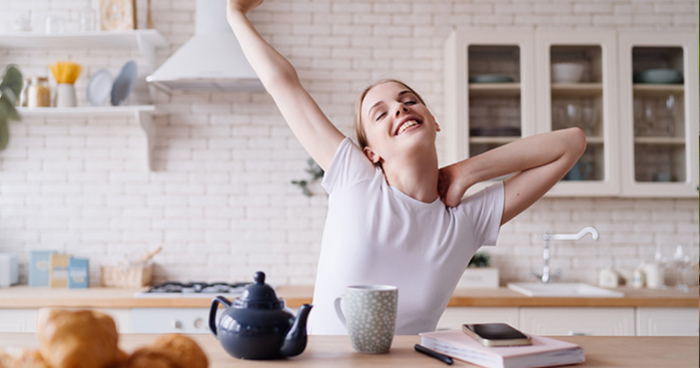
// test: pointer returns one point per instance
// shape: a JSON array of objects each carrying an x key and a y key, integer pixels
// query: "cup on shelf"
[{"x": 55, "y": 24}]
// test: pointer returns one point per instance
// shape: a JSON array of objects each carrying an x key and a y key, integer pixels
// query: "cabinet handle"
[
  {"x": 176, "y": 324},
  {"x": 198, "y": 323},
  {"x": 572, "y": 333}
]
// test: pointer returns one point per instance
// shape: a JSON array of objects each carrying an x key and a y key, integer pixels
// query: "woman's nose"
[{"x": 402, "y": 108}]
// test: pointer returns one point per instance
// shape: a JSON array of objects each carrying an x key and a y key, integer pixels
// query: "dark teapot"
[{"x": 257, "y": 325}]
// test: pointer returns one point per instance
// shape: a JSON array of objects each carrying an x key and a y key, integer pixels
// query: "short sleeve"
[
  {"x": 348, "y": 167},
  {"x": 485, "y": 209}
]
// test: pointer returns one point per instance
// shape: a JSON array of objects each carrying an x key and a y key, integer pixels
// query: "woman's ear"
[
  {"x": 438, "y": 126},
  {"x": 371, "y": 155}
]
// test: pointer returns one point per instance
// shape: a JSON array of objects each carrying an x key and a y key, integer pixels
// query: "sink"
[{"x": 563, "y": 290}]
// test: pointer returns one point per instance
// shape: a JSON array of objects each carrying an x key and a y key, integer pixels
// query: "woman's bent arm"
[
  {"x": 539, "y": 162},
  {"x": 316, "y": 133}
]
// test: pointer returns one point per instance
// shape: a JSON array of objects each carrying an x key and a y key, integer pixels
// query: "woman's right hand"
[{"x": 242, "y": 6}]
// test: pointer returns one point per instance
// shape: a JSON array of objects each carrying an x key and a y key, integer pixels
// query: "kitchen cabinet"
[
  {"x": 659, "y": 122},
  {"x": 578, "y": 321},
  {"x": 170, "y": 320},
  {"x": 24, "y": 320},
  {"x": 667, "y": 322},
  {"x": 455, "y": 317},
  {"x": 625, "y": 156}
]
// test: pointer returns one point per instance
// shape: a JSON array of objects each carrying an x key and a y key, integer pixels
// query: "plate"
[
  {"x": 659, "y": 76},
  {"x": 99, "y": 87},
  {"x": 124, "y": 83},
  {"x": 490, "y": 78}
]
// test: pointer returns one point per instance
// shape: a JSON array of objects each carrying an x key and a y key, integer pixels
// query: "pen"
[{"x": 434, "y": 354}]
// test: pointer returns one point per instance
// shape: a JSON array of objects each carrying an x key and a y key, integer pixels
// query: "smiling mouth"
[{"x": 406, "y": 125}]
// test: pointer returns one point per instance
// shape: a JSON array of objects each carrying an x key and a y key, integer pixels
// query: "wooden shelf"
[
  {"x": 143, "y": 114},
  {"x": 674, "y": 141},
  {"x": 640, "y": 89},
  {"x": 492, "y": 140},
  {"x": 576, "y": 89},
  {"x": 145, "y": 40},
  {"x": 595, "y": 140},
  {"x": 494, "y": 89}
]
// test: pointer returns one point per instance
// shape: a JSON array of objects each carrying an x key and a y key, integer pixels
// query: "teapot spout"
[{"x": 295, "y": 341}]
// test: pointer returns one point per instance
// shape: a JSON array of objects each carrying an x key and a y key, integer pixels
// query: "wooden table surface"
[
  {"x": 295, "y": 296},
  {"x": 336, "y": 352}
]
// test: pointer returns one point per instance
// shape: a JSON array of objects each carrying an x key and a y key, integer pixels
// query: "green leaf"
[
  {"x": 7, "y": 109},
  {"x": 4, "y": 133},
  {"x": 11, "y": 84}
]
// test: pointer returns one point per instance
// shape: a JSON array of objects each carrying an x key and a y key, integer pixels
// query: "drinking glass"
[{"x": 573, "y": 114}]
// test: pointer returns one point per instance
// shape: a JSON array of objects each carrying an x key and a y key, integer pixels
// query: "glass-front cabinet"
[
  {"x": 635, "y": 96},
  {"x": 575, "y": 87},
  {"x": 489, "y": 92},
  {"x": 659, "y": 114}
]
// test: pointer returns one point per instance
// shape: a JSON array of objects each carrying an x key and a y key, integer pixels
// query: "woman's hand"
[
  {"x": 242, "y": 6},
  {"x": 451, "y": 184}
]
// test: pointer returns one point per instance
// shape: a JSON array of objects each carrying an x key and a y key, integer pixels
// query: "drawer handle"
[{"x": 572, "y": 333}]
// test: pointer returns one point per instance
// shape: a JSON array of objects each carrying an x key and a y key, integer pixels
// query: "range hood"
[{"x": 212, "y": 60}]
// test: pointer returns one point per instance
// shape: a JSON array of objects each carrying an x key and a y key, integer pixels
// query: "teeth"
[{"x": 407, "y": 125}]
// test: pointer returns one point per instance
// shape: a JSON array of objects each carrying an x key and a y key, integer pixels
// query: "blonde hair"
[{"x": 359, "y": 128}]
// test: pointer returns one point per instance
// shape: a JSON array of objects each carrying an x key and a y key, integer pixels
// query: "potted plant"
[
  {"x": 10, "y": 86},
  {"x": 479, "y": 274}
]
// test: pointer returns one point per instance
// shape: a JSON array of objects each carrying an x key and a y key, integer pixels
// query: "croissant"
[
  {"x": 78, "y": 339},
  {"x": 27, "y": 359},
  {"x": 169, "y": 351}
]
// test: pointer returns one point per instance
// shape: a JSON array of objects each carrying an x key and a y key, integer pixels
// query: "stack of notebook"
[{"x": 544, "y": 351}]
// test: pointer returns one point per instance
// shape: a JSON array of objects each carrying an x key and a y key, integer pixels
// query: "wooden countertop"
[
  {"x": 295, "y": 296},
  {"x": 335, "y": 351}
]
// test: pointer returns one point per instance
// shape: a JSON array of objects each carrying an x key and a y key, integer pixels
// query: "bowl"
[
  {"x": 491, "y": 78},
  {"x": 658, "y": 76},
  {"x": 567, "y": 72}
]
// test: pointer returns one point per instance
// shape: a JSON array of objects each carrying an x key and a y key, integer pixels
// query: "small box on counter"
[
  {"x": 58, "y": 272},
  {"x": 39, "y": 267},
  {"x": 78, "y": 273},
  {"x": 8, "y": 269}
]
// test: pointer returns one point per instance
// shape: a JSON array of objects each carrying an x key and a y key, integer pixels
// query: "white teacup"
[{"x": 370, "y": 316}]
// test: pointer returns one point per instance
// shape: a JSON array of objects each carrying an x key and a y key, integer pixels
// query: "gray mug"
[{"x": 370, "y": 316}]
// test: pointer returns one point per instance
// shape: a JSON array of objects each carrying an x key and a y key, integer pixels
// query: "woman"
[{"x": 393, "y": 217}]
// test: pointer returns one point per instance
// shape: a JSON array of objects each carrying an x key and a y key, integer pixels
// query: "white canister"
[
  {"x": 654, "y": 275},
  {"x": 8, "y": 269},
  {"x": 65, "y": 95},
  {"x": 638, "y": 279}
]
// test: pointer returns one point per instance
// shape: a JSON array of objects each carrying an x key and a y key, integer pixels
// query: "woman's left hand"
[{"x": 451, "y": 186}]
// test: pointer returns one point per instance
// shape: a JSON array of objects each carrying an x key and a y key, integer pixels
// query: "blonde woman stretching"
[{"x": 394, "y": 218}]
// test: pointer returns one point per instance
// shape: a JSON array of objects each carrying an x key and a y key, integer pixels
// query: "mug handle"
[
  {"x": 212, "y": 311},
  {"x": 339, "y": 311}
]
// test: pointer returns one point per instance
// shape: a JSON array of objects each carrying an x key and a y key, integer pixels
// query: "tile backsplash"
[{"x": 220, "y": 199}]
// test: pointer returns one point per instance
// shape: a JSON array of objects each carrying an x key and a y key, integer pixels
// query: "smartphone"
[{"x": 496, "y": 334}]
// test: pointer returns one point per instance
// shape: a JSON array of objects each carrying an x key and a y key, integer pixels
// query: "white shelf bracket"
[{"x": 145, "y": 119}]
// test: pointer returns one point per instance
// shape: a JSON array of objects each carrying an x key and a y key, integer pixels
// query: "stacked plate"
[{"x": 101, "y": 87}]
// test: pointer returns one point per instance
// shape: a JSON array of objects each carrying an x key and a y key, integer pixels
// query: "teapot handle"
[{"x": 212, "y": 311}]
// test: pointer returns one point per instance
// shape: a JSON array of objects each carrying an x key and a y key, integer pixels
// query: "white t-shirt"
[{"x": 375, "y": 234}]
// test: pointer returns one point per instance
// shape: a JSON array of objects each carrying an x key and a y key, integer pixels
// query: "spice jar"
[{"x": 39, "y": 93}]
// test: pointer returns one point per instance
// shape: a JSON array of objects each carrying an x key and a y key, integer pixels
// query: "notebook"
[{"x": 544, "y": 351}]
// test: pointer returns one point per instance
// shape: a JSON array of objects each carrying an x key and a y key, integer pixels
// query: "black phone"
[{"x": 496, "y": 334}]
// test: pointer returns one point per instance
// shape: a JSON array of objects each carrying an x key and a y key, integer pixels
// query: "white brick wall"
[{"x": 220, "y": 201}]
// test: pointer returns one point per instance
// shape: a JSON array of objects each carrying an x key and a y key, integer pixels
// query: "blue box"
[
  {"x": 39, "y": 267},
  {"x": 78, "y": 273}
]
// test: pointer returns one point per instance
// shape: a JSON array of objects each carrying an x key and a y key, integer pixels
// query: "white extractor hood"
[{"x": 212, "y": 60}]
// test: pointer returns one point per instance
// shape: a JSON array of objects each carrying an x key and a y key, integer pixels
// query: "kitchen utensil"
[
  {"x": 8, "y": 269},
  {"x": 566, "y": 72},
  {"x": 491, "y": 78},
  {"x": 658, "y": 76},
  {"x": 99, "y": 88},
  {"x": 258, "y": 325},
  {"x": 126, "y": 276},
  {"x": 370, "y": 316},
  {"x": 143, "y": 259},
  {"x": 124, "y": 83}
]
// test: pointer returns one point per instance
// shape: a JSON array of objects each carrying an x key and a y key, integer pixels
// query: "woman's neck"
[{"x": 415, "y": 175}]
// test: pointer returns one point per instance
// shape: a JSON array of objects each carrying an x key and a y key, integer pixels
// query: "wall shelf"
[
  {"x": 145, "y": 40},
  {"x": 660, "y": 141},
  {"x": 657, "y": 89},
  {"x": 577, "y": 89},
  {"x": 494, "y": 89},
  {"x": 143, "y": 114}
]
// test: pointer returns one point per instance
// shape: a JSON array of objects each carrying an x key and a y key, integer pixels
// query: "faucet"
[{"x": 546, "y": 277}]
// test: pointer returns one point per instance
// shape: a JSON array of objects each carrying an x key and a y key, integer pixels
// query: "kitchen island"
[{"x": 335, "y": 351}]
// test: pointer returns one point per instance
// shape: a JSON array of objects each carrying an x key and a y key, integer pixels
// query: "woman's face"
[{"x": 395, "y": 122}]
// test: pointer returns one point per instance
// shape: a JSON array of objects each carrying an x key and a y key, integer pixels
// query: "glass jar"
[
  {"x": 23, "y": 95},
  {"x": 39, "y": 93},
  {"x": 88, "y": 18}
]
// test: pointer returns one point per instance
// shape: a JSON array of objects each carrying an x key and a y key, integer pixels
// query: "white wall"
[{"x": 220, "y": 201}]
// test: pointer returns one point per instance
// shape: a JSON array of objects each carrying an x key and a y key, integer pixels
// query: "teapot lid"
[{"x": 259, "y": 295}]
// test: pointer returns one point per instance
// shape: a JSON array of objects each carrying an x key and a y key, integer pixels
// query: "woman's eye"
[
  {"x": 380, "y": 116},
  {"x": 409, "y": 103}
]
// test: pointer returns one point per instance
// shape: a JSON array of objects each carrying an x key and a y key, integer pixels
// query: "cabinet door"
[
  {"x": 489, "y": 92},
  {"x": 455, "y": 317},
  {"x": 18, "y": 320},
  {"x": 667, "y": 322},
  {"x": 578, "y": 321},
  {"x": 575, "y": 87},
  {"x": 170, "y": 320},
  {"x": 659, "y": 114}
]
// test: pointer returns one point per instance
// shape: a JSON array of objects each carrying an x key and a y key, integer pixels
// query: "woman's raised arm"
[{"x": 312, "y": 128}]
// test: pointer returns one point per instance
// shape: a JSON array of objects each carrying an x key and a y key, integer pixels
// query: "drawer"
[
  {"x": 455, "y": 317},
  {"x": 578, "y": 321},
  {"x": 667, "y": 321}
]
